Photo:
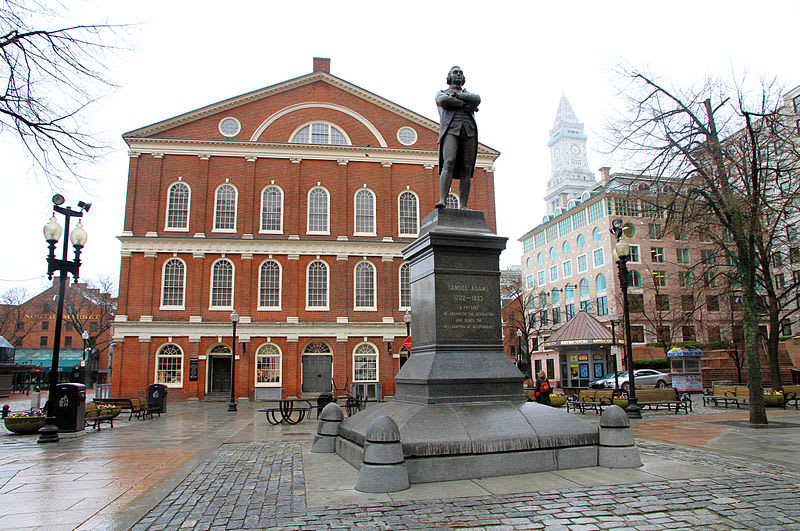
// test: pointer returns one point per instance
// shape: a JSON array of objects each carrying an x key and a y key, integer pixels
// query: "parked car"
[{"x": 643, "y": 378}]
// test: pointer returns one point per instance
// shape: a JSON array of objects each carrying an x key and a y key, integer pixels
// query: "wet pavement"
[{"x": 202, "y": 467}]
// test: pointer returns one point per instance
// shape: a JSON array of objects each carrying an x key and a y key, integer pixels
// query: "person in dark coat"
[
  {"x": 458, "y": 136},
  {"x": 542, "y": 389}
]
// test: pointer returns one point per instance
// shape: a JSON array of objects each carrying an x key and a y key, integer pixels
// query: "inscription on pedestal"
[
  {"x": 466, "y": 308},
  {"x": 471, "y": 313}
]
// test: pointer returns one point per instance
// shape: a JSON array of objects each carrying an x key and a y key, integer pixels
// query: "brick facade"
[{"x": 192, "y": 150}]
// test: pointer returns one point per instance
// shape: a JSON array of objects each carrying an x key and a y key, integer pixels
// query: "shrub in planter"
[{"x": 25, "y": 422}]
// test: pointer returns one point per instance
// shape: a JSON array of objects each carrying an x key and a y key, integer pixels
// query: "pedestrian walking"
[{"x": 542, "y": 389}]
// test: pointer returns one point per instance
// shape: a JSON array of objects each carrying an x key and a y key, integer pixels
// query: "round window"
[
  {"x": 552, "y": 253},
  {"x": 597, "y": 234},
  {"x": 581, "y": 241},
  {"x": 565, "y": 248},
  {"x": 230, "y": 127},
  {"x": 407, "y": 136},
  {"x": 540, "y": 258}
]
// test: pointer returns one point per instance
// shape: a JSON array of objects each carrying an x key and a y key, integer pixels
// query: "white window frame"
[
  {"x": 374, "y": 290},
  {"x": 376, "y": 353},
  {"x": 327, "y": 213},
  {"x": 638, "y": 253},
  {"x": 310, "y": 134},
  {"x": 541, "y": 275},
  {"x": 160, "y": 356},
  {"x": 578, "y": 263},
  {"x": 564, "y": 268},
  {"x": 457, "y": 200},
  {"x": 181, "y": 306},
  {"x": 235, "y": 207},
  {"x": 326, "y": 307},
  {"x": 279, "y": 357},
  {"x": 356, "y": 232},
  {"x": 188, "y": 208},
  {"x": 211, "y": 286},
  {"x": 280, "y": 287},
  {"x": 400, "y": 232},
  {"x": 261, "y": 228},
  {"x": 553, "y": 278},
  {"x": 594, "y": 257},
  {"x": 407, "y": 267}
]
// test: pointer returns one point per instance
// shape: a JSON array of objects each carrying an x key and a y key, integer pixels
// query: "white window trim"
[
  {"x": 308, "y": 124},
  {"x": 377, "y": 363},
  {"x": 233, "y": 287},
  {"x": 564, "y": 275},
  {"x": 542, "y": 273},
  {"x": 400, "y": 286},
  {"x": 550, "y": 272},
  {"x": 280, "y": 288},
  {"x": 308, "y": 212},
  {"x": 578, "y": 262},
  {"x": 401, "y": 234},
  {"x": 235, "y": 209},
  {"x": 373, "y": 308},
  {"x": 188, "y": 209},
  {"x": 327, "y": 287},
  {"x": 261, "y": 211},
  {"x": 374, "y": 213},
  {"x": 183, "y": 356},
  {"x": 594, "y": 258},
  {"x": 185, "y": 274},
  {"x": 639, "y": 249},
  {"x": 279, "y": 383}
]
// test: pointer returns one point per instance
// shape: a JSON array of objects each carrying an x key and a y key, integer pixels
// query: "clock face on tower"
[{"x": 575, "y": 149}]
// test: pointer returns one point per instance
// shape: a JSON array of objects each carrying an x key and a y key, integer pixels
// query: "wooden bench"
[
  {"x": 721, "y": 395},
  {"x": 666, "y": 397},
  {"x": 138, "y": 407},
  {"x": 593, "y": 399},
  {"x": 96, "y": 415}
]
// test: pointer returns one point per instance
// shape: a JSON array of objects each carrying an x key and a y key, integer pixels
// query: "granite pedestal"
[{"x": 459, "y": 403}]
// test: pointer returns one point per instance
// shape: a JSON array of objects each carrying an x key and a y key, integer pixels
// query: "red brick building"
[{"x": 290, "y": 204}]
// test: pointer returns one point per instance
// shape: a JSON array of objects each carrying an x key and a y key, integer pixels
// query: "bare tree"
[
  {"x": 91, "y": 308},
  {"x": 51, "y": 76},
  {"x": 708, "y": 142},
  {"x": 14, "y": 324}
]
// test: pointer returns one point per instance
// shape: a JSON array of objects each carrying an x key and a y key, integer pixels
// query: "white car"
[{"x": 642, "y": 378}]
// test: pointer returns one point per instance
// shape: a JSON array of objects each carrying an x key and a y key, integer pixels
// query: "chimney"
[
  {"x": 322, "y": 64},
  {"x": 605, "y": 175}
]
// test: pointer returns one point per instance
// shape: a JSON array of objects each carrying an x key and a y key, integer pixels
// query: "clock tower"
[{"x": 569, "y": 174}]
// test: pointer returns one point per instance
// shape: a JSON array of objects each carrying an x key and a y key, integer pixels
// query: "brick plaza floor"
[{"x": 200, "y": 467}]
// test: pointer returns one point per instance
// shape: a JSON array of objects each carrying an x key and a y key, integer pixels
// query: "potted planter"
[
  {"x": 558, "y": 400},
  {"x": 26, "y": 423},
  {"x": 773, "y": 400}
]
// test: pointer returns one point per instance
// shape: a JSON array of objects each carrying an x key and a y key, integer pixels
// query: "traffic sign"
[{"x": 407, "y": 343}]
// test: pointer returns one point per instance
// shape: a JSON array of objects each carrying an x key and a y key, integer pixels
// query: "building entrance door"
[
  {"x": 317, "y": 374},
  {"x": 220, "y": 377}
]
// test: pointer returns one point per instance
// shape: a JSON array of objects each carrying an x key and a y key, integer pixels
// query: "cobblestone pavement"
[{"x": 259, "y": 486}]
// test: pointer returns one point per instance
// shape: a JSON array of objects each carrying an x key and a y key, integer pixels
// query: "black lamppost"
[
  {"x": 614, "y": 354},
  {"x": 407, "y": 321},
  {"x": 52, "y": 233},
  {"x": 85, "y": 357},
  {"x": 621, "y": 253},
  {"x": 232, "y": 403},
  {"x": 519, "y": 349}
]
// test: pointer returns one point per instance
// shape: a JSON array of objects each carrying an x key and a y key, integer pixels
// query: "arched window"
[
  {"x": 555, "y": 295},
  {"x": 318, "y": 347},
  {"x": 269, "y": 286},
  {"x": 178, "y": 198},
  {"x": 365, "y": 212},
  {"x": 365, "y": 286},
  {"x": 584, "y": 287},
  {"x": 569, "y": 292},
  {"x": 601, "y": 283},
  {"x": 222, "y": 285},
  {"x": 272, "y": 210},
  {"x": 320, "y": 133},
  {"x": 225, "y": 208},
  {"x": 405, "y": 287},
  {"x": 318, "y": 208},
  {"x": 173, "y": 284},
  {"x": 317, "y": 286},
  {"x": 408, "y": 214},
  {"x": 268, "y": 366},
  {"x": 365, "y": 363},
  {"x": 169, "y": 365},
  {"x": 452, "y": 201}
]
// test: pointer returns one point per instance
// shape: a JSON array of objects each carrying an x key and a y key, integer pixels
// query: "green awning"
[{"x": 68, "y": 358}]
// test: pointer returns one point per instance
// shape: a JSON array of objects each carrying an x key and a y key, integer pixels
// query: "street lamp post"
[
  {"x": 232, "y": 403},
  {"x": 614, "y": 354},
  {"x": 621, "y": 253},
  {"x": 519, "y": 349},
  {"x": 85, "y": 357},
  {"x": 52, "y": 233},
  {"x": 407, "y": 321}
]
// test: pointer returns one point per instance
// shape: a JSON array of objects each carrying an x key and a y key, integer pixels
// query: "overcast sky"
[{"x": 519, "y": 56}]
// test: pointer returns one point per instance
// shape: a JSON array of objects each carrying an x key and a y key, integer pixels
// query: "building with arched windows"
[{"x": 290, "y": 204}]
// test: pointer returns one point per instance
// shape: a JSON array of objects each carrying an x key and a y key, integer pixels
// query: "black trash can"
[
  {"x": 69, "y": 406},
  {"x": 157, "y": 398}
]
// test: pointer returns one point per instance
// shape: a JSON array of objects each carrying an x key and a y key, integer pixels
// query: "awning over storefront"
[
  {"x": 68, "y": 358},
  {"x": 582, "y": 330}
]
